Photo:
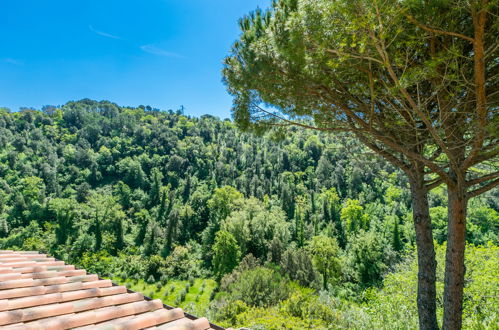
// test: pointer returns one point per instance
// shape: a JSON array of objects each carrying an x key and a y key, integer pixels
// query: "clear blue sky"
[{"x": 163, "y": 53}]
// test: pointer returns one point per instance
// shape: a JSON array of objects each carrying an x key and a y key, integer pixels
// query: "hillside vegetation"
[{"x": 306, "y": 230}]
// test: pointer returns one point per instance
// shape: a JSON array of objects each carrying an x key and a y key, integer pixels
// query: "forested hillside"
[{"x": 298, "y": 229}]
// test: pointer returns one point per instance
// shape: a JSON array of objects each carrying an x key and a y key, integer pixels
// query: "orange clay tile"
[{"x": 40, "y": 292}]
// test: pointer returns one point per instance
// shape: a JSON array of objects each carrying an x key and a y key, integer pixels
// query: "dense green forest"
[{"x": 303, "y": 230}]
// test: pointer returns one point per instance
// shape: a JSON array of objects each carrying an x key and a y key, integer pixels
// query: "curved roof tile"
[{"x": 40, "y": 292}]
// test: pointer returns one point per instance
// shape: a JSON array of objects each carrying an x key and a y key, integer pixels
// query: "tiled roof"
[{"x": 39, "y": 292}]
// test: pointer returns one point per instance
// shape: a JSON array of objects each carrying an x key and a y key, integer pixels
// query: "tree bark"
[
  {"x": 454, "y": 258},
  {"x": 427, "y": 264}
]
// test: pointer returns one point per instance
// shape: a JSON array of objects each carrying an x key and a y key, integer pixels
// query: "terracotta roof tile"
[
  {"x": 35, "y": 300},
  {"x": 143, "y": 320},
  {"x": 39, "y": 292},
  {"x": 186, "y": 324}
]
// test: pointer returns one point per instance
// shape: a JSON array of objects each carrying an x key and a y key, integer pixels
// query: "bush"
[
  {"x": 183, "y": 262},
  {"x": 153, "y": 266},
  {"x": 229, "y": 312},
  {"x": 367, "y": 256},
  {"x": 259, "y": 287},
  {"x": 98, "y": 263},
  {"x": 181, "y": 297},
  {"x": 297, "y": 263}
]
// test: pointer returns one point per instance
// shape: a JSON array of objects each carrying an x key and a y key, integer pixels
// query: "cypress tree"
[{"x": 396, "y": 240}]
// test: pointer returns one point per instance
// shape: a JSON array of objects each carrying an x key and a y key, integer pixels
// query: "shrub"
[
  {"x": 183, "y": 293},
  {"x": 297, "y": 263},
  {"x": 229, "y": 312},
  {"x": 183, "y": 262},
  {"x": 181, "y": 297},
  {"x": 259, "y": 287}
]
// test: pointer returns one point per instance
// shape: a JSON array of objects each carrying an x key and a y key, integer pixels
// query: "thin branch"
[
  {"x": 362, "y": 57},
  {"x": 483, "y": 189},
  {"x": 385, "y": 154},
  {"x": 484, "y": 178},
  {"x": 290, "y": 122},
  {"x": 486, "y": 155},
  {"x": 438, "y": 31},
  {"x": 434, "y": 183}
]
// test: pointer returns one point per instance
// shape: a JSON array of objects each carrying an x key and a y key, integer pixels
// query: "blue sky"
[{"x": 163, "y": 53}]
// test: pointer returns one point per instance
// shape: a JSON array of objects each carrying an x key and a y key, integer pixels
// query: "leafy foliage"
[{"x": 141, "y": 194}]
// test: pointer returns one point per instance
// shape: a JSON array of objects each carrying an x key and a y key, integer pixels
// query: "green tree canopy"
[
  {"x": 226, "y": 253},
  {"x": 325, "y": 254}
]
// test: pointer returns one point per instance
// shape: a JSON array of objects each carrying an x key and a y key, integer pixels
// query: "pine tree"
[
  {"x": 119, "y": 234},
  {"x": 325, "y": 212},
  {"x": 173, "y": 220},
  {"x": 288, "y": 202},
  {"x": 156, "y": 184},
  {"x": 299, "y": 229},
  {"x": 143, "y": 218},
  {"x": 396, "y": 240},
  {"x": 4, "y": 226},
  {"x": 151, "y": 238},
  {"x": 98, "y": 234},
  {"x": 186, "y": 192}
]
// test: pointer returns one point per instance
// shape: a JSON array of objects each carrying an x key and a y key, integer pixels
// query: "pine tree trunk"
[
  {"x": 454, "y": 259},
  {"x": 427, "y": 264}
]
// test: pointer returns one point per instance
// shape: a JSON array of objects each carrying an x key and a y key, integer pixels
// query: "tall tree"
[
  {"x": 65, "y": 211},
  {"x": 226, "y": 253},
  {"x": 156, "y": 184},
  {"x": 325, "y": 254},
  {"x": 106, "y": 215},
  {"x": 392, "y": 73}
]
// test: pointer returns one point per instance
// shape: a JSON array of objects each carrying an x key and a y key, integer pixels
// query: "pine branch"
[
  {"x": 482, "y": 179},
  {"x": 438, "y": 31},
  {"x": 483, "y": 189}
]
